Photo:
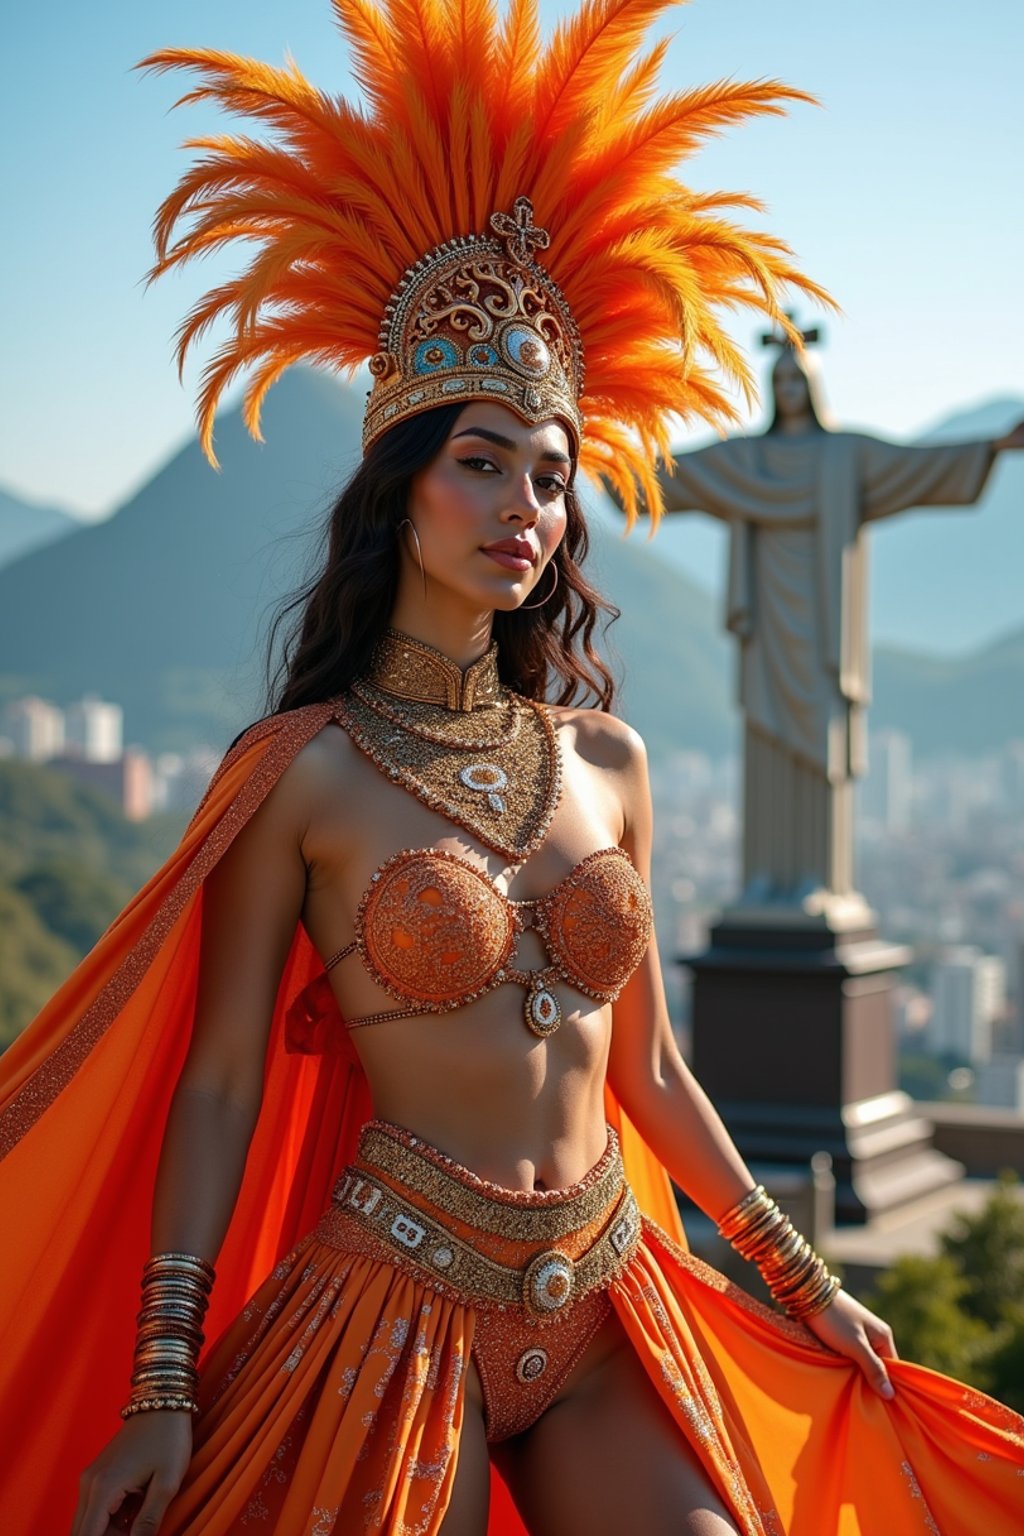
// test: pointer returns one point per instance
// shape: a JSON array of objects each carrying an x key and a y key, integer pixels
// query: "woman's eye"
[{"x": 551, "y": 485}]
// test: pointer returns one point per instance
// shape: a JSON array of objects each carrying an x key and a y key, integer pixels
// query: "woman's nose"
[{"x": 522, "y": 501}]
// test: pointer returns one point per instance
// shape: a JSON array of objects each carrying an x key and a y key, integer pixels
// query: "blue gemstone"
[{"x": 437, "y": 353}]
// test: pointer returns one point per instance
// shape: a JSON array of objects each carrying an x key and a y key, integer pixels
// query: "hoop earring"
[
  {"x": 548, "y": 596},
  {"x": 419, "y": 551}
]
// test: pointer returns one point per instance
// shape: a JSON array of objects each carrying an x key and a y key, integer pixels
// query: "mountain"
[
  {"x": 942, "y": 579},
  {"x": 25, "y": 526},
  {"x": 164, "y": 606},
  {"x": 966, "y": 705}
]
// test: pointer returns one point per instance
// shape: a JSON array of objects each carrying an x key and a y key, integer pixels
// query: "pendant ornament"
[
  {"x": 548, "y": 1283},
  {"x": 542, "y": 1011},
  {"x": 488, "y": 779}
]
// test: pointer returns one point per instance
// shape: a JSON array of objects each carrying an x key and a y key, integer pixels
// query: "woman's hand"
[
  {"x": 147, "y": 1458},
  {"x": 850, "y": 1329}
]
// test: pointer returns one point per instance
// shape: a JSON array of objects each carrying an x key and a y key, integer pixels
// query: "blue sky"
[{"x": 901, "y": 195}]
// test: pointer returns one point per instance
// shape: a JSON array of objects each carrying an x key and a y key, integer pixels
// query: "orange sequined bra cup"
[{"x": 436, "y": 934}]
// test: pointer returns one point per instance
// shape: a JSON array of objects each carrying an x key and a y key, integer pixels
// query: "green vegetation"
[
  {"x": 962, "y": 1312},
  {"x": 33, "y": 963},
  {"x": 926, "y": 1076},
  {"x": 69, "y": 862}
]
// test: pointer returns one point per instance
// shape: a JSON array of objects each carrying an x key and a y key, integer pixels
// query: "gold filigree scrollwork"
[
  {"x": 460, "y": 305},
  {"x": 503, "y": 301}
]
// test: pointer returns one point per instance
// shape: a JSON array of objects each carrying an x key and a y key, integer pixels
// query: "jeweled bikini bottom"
[{"x": 534, "y": 1266}]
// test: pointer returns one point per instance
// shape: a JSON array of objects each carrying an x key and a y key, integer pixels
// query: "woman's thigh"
[
  {"x": 467, "y": 1509},
  {"x": 607, "y": 1458}
]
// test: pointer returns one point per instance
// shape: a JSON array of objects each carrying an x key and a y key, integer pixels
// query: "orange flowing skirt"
[{"x": 334, "y": 1402}]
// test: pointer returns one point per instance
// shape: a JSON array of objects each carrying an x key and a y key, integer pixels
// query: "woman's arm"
[
  {"x": 674, "y": 1115},
  {"x": 251, "y": 904},
  {"x": 646, "y": 1069}
]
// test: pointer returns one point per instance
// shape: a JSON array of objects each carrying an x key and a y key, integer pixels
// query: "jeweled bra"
[{"x": 436, "y": 933}]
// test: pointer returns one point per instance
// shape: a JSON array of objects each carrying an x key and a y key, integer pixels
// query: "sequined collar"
[{"x": 410, "y": 669}]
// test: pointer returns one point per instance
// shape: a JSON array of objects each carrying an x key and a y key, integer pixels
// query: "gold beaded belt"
[{"x": 534, "y": 1266}]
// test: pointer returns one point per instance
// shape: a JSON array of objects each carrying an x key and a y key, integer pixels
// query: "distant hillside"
[
  {"x": 159, "y": 607},
  {"x": 942, "y": 579},
  {"x": 969, "y": 705},
  {"x": 69, "y": 861},
  {"x": 163, "y": 607},
  {"x": 25, "y": 526}
]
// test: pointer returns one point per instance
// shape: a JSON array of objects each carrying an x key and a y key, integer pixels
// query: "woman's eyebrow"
[{"x": 506, "y": 442}]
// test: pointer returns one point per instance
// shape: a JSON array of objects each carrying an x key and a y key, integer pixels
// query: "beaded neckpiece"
[{"x": 462, "y": 743}]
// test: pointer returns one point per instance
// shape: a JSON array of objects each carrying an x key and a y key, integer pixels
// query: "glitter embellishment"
[
  {"x": 430, "y": 929},
  {"x": 411, "y": 669},
  {"x": 927, "y": 1518},
  {"x": 487, "y": 779},
  {"x": 542, "y": 1012},
  {"x": 625, "y": 1232},
  {"x": 548, "y": 1283},
  {"x": 531, "y": 1365}
]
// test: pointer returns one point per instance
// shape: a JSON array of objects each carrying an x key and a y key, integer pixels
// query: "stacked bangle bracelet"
[
  {"x": 175, "y": 1294},
  {"x": 797, "y": 1279}
]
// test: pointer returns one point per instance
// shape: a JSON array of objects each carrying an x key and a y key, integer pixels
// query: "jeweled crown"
[{"x": 478, "y": 318}]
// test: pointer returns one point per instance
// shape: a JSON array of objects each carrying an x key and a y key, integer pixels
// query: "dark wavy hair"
[{"x": 337, "y": 617}]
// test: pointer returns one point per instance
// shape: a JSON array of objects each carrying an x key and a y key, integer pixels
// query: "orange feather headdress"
[{"x": 403, "y": 232}]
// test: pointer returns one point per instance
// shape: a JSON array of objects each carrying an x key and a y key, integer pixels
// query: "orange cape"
[{"x": 84, "y": 1096}]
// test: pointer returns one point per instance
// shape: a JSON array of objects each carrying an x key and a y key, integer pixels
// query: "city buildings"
[
  {"x": 84, "y": 740},
  {"x": 968, "y": 997},
  {"x": 34, "y": 729},
  {"x": 886, "y": 795}
]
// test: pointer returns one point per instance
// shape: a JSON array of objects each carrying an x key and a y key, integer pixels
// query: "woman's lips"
[{"x": 510, "y": 562}]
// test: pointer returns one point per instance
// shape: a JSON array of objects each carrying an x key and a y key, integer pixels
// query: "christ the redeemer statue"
[{"x": 797, "y": 500}]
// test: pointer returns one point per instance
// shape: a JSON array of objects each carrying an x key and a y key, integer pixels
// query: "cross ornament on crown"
[
  {"x": 519, "y": 232},
  {"x": 778, "y": 337}
]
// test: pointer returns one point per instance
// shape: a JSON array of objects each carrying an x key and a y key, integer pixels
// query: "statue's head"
[{"x": 796, "y": 391}]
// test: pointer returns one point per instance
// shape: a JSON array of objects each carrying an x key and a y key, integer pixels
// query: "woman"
[{"x": 355, "y": 1048}]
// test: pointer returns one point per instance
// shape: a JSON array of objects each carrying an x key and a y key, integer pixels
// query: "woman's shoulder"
[
  {"x": 322, "y": 755},
  {"x": 602, "y": 739},
  {"x": 328, "y": 759}
]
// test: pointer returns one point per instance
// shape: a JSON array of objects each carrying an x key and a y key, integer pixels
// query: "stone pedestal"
[{"x": 793, "y": 1040}]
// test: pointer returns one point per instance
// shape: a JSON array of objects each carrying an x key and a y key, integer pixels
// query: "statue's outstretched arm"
[
  {"x": 1012, "y": 440},
  {"x": 894, "y": 477}
]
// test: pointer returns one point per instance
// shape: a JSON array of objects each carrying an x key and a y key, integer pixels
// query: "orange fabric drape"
[{"x": 84, "y": 1096}]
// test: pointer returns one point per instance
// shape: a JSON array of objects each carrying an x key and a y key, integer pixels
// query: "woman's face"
[
  {"x": 490, "y": 509},
  {"x": 792, "y": 396}
]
